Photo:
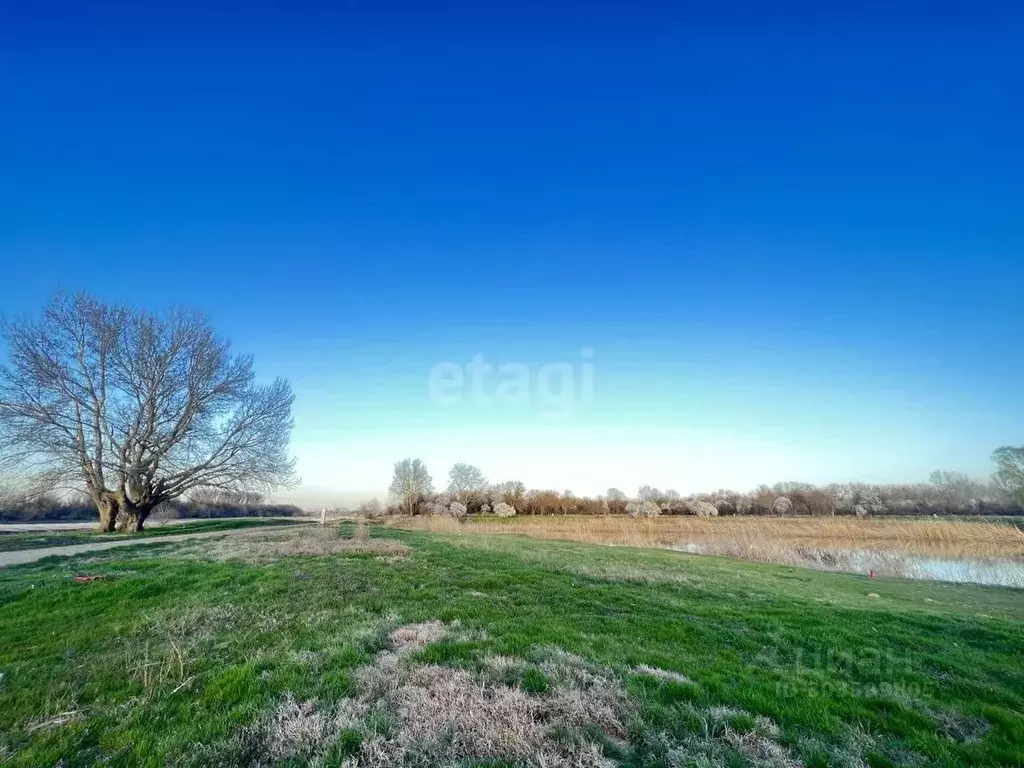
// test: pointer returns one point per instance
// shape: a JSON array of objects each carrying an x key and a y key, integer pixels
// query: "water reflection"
[{"x": 996, "y": 571}]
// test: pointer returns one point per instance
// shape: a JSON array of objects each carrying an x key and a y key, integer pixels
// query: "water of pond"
[{"x": 996, "y": 571}]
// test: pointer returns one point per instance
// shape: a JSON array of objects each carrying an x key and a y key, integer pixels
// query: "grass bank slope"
[{"x": 341, "y": 648}]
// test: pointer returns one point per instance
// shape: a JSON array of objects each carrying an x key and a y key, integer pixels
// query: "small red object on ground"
[
  {"x": 87, "y": 579},
  {"x": 871, "y": 573}
]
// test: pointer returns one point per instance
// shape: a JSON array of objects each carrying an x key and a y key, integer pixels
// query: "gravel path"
[{"x": 18, "y": 557}]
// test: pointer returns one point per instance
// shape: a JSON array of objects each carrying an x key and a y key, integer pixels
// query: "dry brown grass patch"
[
  {"x": 413, "y": 636},
  {"x": 55, "y": 721},
  {"x": 409, "y": 713},
  {"x": 959, "y": 727},
  {"x": 720, "y": 742},
  {"x": 300, "y": 541},
  {"x": 665, "y": 675},
  {"x": 445, "y": 716},
  {"x": 297, "y": 729},
  {"x": 761, "y": 750}
]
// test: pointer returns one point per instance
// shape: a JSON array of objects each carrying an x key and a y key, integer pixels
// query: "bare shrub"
[
  {"x": 371, "y": 508},
  {"x": 501, "y": 509},
  {"x": 433, "y": 508},
  {"x": 871, "y": 500},
  {"x": 643, "y": 509},
  {"x": 782, "y": 506},
  {"x": 702, "y": 508},
  {"x": 725, "y": 506}
]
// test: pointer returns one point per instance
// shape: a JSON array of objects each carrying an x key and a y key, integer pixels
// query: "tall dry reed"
[{"x": 928, "y": 536}]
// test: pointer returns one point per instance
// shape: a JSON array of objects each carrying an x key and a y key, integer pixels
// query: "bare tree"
[
  {"x": 410, "y": 483},
  {"x": 138, "y": 408},
  {"x": 216, "y": 497},
  {"x": 648, "y": 493},
  {"x": 955, "y": 488},
  {"x": 510, "y": 492},
  {"x": 567, "y": 502},
  {"x": 615, "y": 501},
  {"x": 8, "y": 496},
  {"x": 1010, "y": 470},
  {"x": 371, "y": 508},
  {"x": 464, "y": 481}
]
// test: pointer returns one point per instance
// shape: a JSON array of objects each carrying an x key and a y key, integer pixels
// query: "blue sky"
[{"x": 792, "y": 240}]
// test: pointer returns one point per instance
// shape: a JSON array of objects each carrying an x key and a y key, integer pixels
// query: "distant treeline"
[
  {"x": 469, "y": 493},
  {"x": 791, "y": 499},
  {"x": 208, "y": 505}
]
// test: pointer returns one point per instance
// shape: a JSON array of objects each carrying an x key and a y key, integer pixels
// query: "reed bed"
[{"x": 942, "y": 537}]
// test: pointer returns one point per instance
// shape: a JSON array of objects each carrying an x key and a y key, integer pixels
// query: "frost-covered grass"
[{"x": 476, "y": 650}]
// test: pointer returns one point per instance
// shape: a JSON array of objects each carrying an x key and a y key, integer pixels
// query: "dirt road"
[{"x": 18, "y": 557}]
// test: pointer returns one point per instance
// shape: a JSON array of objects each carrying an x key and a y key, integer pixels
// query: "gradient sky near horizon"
[{"x": 792, "y": 239}]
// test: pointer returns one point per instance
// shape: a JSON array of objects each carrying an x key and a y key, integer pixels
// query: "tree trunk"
[
  {"x": 107, "y": 506},
  {"x": 137, "y": 514}
]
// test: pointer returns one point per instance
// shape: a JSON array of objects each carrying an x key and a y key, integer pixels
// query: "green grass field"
[
  {"x": 10, "y": 541},
  {"x": 619, "y": 656}
]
